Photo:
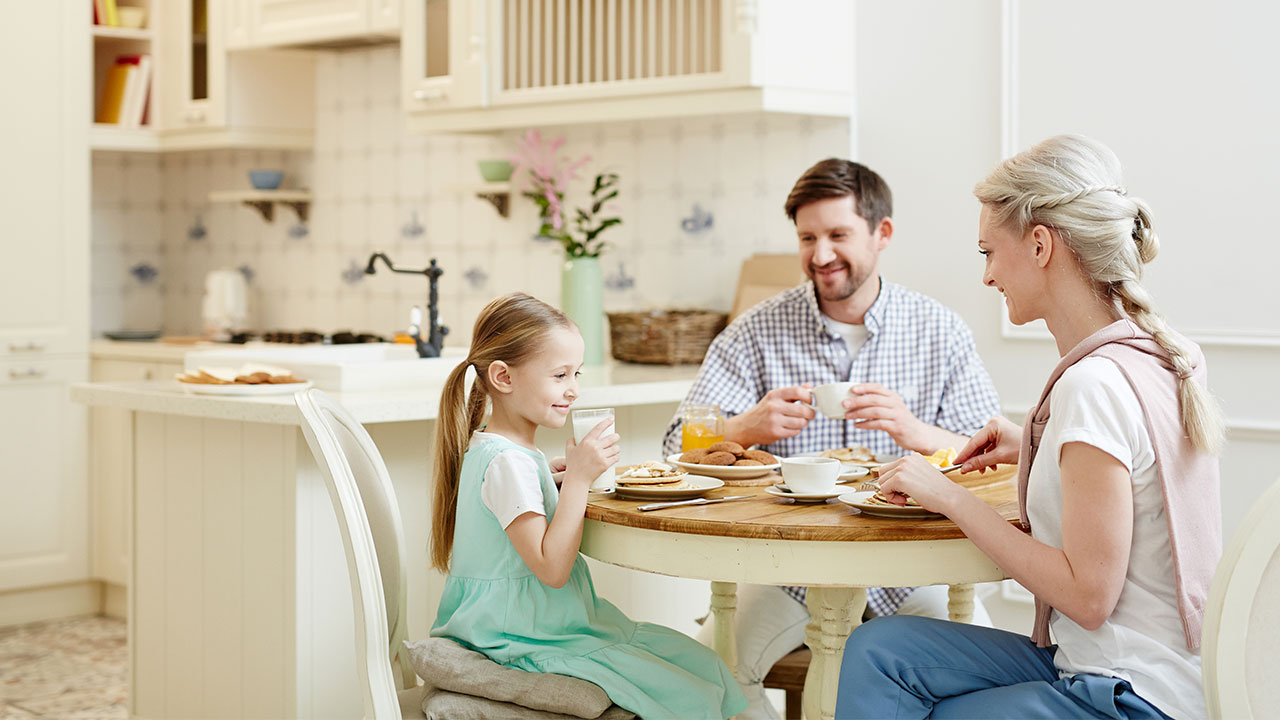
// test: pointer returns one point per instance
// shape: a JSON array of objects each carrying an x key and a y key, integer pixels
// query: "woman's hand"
[
  {"x": 999, "y": 441},
  {"x": 915, "y": 477},
  {"x": 585, "y": 461}
]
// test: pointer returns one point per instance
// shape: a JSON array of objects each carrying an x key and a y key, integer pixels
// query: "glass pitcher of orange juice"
[{"x": 702, "y": 426}]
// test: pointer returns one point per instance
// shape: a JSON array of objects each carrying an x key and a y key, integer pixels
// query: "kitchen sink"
[{"x": 341, "y": 368}]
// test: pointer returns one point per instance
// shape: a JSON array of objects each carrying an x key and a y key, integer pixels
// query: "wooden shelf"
[
  {"x": 121, "y": 33},
  {"x": 113, "y": 137},
  {"x": 497, "y": 194},
  {"x": 264, "y": 201}
]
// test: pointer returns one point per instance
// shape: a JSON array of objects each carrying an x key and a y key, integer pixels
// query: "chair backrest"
[
  {"x": 1242, "y": 618},
  {"x": 369, "y": 520}
]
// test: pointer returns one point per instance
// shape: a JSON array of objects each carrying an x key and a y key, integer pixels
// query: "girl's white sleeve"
[{"x": 511, "y": 487}]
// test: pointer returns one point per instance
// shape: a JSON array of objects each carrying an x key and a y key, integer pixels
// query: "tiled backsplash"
[{"x": 698, "y": 196}]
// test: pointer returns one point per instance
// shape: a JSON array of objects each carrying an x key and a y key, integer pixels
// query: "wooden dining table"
[{"x": 831, "y": 548}]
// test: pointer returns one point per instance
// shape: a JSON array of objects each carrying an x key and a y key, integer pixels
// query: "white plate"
[
  {"x": 723, "y": 472},
  {"x": 847, "y": 464},
  {"x": 859, "y": 500},
  {"x": 781, "y": 490},
  {"x": 245, "y": 390},
  {"x": 599, "y": 494},
  {"x": 700, "y": 487}
]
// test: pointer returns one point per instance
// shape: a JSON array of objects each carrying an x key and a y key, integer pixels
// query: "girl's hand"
[
  {"x": 997, "y": 442},
  {"x": 557, "y": 470},
  {"x": 915, "y": 477},
  {"x": 585, "y": 461}
]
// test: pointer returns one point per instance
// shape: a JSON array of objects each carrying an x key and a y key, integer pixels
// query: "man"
[{"x": 919, "y": 384}]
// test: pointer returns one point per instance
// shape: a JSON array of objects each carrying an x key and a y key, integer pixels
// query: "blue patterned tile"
[
  {"x": 354, "y": 274},
  {"x": 144, "y": 273},
  {"x": 197, "y": 231},
  {"x": 476, "y": 277},
  {"x": 413, "y": 228},
  {"x": 620, "y": 280},
  {"x": 247, "y": 272},
  {"x": 698, "y": 222},
  {"x": 297, "y": 231}
]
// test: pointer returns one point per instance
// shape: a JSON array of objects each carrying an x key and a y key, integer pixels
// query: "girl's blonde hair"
[
  {"x": 509, "y": 329},
  {"x": 1072, "y": 184}
]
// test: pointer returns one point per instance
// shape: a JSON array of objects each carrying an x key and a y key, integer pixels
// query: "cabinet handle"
[
  {"x": 28, "y": 374},
  {"x": 195, "y": 116},
  {"x": 32, "y": 346},
  {"x": 428, "y": 94},
  {"x": 146, "y": 374}
]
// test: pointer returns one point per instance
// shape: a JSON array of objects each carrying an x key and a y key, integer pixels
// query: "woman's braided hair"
[{"x": 1072, "y": 184}]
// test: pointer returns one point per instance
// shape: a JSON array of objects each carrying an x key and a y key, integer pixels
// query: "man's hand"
[
  {"x": 778, "y": 415},
  {"x": 876, "y": 407}
]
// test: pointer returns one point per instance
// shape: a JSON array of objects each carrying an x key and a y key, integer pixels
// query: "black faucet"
[{"x": 430, "y": 347}]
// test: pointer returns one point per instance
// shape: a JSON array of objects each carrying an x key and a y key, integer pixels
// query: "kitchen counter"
[
  {"x": 614, "y": 384},
  {"x": 147, "y": 351}
]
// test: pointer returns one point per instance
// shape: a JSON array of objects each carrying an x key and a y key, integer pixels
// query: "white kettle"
[{"x": 226, "y": 303}]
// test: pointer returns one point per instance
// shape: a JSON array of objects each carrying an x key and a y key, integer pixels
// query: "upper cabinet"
[
  {"x": 474, "y": 65},
  {"x": 316, "y": 23}
]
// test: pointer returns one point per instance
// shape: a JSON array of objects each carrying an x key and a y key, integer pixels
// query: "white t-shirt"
[
  {"x": 855, "y": 336},
  {"x": 1143, "y": 640},
  {"x": 511, "y": 485}
]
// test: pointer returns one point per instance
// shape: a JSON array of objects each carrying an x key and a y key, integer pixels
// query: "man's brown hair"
[{"x": 833, "y": 178}]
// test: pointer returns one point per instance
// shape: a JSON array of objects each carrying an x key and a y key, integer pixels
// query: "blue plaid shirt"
[{"x": 915, "y": 346}]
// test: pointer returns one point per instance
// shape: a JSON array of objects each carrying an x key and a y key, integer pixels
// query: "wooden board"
[{"x": 768, "y": 517}]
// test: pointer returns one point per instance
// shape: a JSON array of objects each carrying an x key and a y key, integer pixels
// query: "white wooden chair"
[
  {"x": 1242, "y": 619},
  {"x": 369, "y": 520}
]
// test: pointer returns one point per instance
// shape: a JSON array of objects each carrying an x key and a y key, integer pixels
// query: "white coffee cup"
[
  {"x": 829, "y": 399},
  {"x": 810, "y": 474},
  {"x": 583, "y": 422}
]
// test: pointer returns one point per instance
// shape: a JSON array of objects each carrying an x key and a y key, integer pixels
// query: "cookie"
[
  {"x": 728, "y": 446},
  {"x": 744, "y": 462},
  {"x": 695, "y": 455},
  {"x": 719, "y": 458},
  {"x": 761, "y": 457}
]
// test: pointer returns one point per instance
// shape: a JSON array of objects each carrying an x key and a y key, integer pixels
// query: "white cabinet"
[
  {"x": 44, "y": 521},
  {"x": 213, "y": 98},
  {"x": 473, "y": 65},
  {"x": 44, "y": 308},
  {"x": 282, "y": 23}
]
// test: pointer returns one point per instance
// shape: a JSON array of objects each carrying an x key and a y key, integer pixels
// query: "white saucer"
[{"x": 781, "y": 490}]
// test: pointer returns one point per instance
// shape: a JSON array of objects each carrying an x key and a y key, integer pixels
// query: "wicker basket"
[{"x": 669, "y": 337}]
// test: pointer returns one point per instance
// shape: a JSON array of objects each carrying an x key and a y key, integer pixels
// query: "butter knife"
[{"x": 695, "y": 501}]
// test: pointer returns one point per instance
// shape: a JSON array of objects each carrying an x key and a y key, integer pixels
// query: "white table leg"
[
  {"x": 960, "y": 602},
  {"x": 833, "y": 614},
  {"x": 724, "y": 606}
]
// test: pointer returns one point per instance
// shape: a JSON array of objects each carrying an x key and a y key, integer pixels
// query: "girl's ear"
[{"x": 499, "y": 376}]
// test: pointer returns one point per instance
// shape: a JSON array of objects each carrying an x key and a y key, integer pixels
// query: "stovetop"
[{"x": 306, "y": 337}]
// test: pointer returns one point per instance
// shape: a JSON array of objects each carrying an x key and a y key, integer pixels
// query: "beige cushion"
[
  {"x": 461, "y": 681},
  {"x": 410, "y": 703},
  {"x": 443, "y": 705}
]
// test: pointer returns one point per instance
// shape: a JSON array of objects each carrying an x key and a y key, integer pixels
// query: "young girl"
[
  {"x": 518, "y": 591},
  {"x": 1118, "y": 479}
]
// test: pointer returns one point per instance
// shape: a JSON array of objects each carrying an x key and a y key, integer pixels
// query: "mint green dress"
[{"x": 494, "y": 604}]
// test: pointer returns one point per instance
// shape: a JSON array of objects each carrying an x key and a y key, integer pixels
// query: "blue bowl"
[{"x": 266, "y": 179}]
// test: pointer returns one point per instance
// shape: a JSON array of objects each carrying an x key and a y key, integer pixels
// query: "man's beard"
[{"x": 842, "y": 291}]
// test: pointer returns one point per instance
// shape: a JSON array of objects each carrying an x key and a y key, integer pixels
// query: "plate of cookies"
[
  {"x": 655, "y": 480},
  {"x": 726, "y": 460},
  {"x": 248, "y": 380}
]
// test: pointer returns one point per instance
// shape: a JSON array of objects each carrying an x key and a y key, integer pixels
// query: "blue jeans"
[{"x": 914, "y": 667}]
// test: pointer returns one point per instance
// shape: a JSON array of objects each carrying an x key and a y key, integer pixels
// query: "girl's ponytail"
[{"x": 454, "y": 426}]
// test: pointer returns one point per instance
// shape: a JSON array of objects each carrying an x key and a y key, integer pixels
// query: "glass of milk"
[{"x": 583, "y": 421}]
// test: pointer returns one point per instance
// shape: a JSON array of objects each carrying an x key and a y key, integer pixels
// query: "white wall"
[{"x": 1186, "y": 97}]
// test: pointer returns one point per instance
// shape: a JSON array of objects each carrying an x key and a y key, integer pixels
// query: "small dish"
[
  {"x": 858, "y": 500},
  {"x": 698, "y": 486},
  {"x": 266, "y": 179},
  {"x": 132, "y": 16},
  {"x": 495, "y": 170},
  {"x": 723, "y": 472},
  {"x": 131, "y": 335},
  {"x": 781, "y": 490}
]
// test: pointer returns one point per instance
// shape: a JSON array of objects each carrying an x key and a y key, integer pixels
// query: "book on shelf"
[
  {"x": 106, "y": 12},
  {"x": 125, "y": 92}
]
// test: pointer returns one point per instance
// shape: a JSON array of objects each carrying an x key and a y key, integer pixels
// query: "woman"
[{"x": 1118, "y": 485}]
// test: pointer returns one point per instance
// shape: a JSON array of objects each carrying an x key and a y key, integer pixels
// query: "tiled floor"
[{"x": 75, "y": 669}]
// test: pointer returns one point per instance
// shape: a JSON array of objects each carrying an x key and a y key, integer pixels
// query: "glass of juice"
[
  {"x": 702, "y": 425},
  {"x": 583, "y": 422}
]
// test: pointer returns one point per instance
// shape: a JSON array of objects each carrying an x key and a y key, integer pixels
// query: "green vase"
[{"x": 582, "y": 299}]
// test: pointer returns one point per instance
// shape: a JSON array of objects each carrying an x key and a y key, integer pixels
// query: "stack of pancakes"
[{"x": 655, "y": 475}]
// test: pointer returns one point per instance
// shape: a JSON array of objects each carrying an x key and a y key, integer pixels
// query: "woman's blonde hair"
[
  {"x": 1073, "y": 185},
  {"x": 509, "y": 329}
]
